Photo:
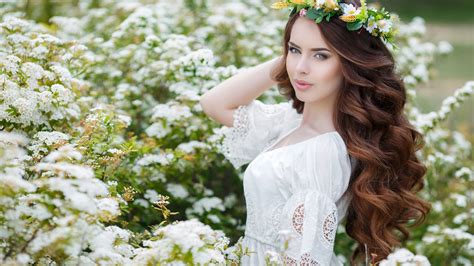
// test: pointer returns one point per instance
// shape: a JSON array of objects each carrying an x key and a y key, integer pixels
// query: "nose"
[{"x": 302, "y": 66}]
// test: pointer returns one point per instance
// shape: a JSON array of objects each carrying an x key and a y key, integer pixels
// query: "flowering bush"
[
  {"x": 188, "y": 242},
  {"x": 32, "y": 76},
  {"x": 404, "y": 257},
  {"x": 59, "y": 212},
  {"x": 101, "y": 125}
]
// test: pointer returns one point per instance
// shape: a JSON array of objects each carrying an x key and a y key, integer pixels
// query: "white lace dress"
[{"x": 299, "y": 187}]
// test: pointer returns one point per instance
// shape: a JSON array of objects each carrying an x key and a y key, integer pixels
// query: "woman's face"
[{"x": 319, "y": 67}]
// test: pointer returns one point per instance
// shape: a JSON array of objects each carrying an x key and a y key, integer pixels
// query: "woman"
[{"x": 340, "y": 148}]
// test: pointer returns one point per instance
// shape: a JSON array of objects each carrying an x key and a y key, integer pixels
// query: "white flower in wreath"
[
  {"x": 327, "y": 4},
  {"x": 384, "y": 25},
  {"x": 320, "y": 3},
  {"x": 371, "y": 25},
  {"x": 350, "y": 9}
]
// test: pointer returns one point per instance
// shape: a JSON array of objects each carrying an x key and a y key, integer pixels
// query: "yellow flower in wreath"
[{"x": 279, "y": 5}]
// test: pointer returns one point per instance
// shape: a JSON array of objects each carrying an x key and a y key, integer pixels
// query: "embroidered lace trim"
[
  {"x": 239, "y": 131},
  {"x": 237, "y": 145},
  {"x": 305, "y": 260},
  {"x": 274, "y": 221},
  {"x": 329, "y": 227},
  {"x": 298, "y": 218},
  {"x": 329, "y": 224}
]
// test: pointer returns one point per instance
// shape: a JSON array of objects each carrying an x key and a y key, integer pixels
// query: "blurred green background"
[{"x": 452, "y": 21}]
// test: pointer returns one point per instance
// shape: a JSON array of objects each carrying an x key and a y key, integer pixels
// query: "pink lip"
[
  {"x": 302, "y": 85},
  {"x": 300, "y": 82}
]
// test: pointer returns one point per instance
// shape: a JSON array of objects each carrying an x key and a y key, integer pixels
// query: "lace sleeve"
[
  {"x": 311, "y": 218},
  {"x": 255, "y": 126},
  {"x": 311, "y": 213}
]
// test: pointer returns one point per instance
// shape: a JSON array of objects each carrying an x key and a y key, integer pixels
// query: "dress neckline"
[{"x": 269, "y": 149}]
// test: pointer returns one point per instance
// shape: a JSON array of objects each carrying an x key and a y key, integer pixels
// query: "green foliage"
[{"x": 137, "y": 71}]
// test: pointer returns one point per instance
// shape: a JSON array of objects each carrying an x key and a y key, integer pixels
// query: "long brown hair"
[{"x": 370, "y": 119}]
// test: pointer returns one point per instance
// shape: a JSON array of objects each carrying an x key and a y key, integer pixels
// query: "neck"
[{"x": 317, "y": 116}]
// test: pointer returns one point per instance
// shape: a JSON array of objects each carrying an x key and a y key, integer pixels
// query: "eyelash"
[{"x": 323, "y": 55}]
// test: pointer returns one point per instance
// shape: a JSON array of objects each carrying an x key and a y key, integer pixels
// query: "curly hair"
[{"x": 370, "y": 118}]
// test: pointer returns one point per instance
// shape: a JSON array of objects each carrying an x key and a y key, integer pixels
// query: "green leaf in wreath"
[
  {"x": 293, "y": 11},
  {"x": 319, "y": 19},
  {"x": 312, "y": 13},
  {"x": 372, "y": 12},
  {"x": 328, "y": 17},
  {"x": 354, "y": 25}
]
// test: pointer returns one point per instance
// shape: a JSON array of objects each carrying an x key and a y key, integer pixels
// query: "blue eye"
[
  {"x": 322, "y": 56},
  {"x": 292, "y": 50}
]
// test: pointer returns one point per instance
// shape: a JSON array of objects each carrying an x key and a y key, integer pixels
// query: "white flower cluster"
[
  {"x": 239, "y": 19},
  {"x": 205, "y": 205},
  {"x": 458, "y": 149},
  {"x": 36, "y": 91},
  {"x": 465, "y": 172},
  {"x": 162, "y": 159},
  {"x": 191, "y": 146},
  {"x": 426, "y": 122},
  {"x": 177, "y": 190},
  {"x": 12, "y": 163},
  {"x": 198, "y": 63},
  {"x": 415, "y": 58},
  {"x": 174, "y": 241},
  {"x": 404, "y": 257},
  {"x": 43, "y": 140},
  {"x": 438, "y": 235},
  {"x": 166, "y": 117},
  {"x": 58, "y": 211}
]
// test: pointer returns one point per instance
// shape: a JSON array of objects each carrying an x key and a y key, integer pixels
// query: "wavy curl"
[{"x": 378, "y": 135}]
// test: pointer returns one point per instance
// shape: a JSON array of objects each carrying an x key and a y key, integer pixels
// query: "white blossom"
[
  {"x": 177, "y": 190},
  {"x": 404, "y": 257}
]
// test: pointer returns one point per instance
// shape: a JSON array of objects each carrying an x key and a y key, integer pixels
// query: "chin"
[
  {"x": 300, "y": 98},
  {"x": 307, "y": 99}
]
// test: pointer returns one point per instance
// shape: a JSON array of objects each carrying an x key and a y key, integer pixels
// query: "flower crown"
[{"x": 377, "y": 22}]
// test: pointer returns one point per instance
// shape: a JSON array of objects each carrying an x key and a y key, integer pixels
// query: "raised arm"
[{"x": 220, "y": 102}]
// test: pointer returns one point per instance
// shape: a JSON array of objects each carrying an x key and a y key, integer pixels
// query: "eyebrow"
[{"x": 312, "y": 49}]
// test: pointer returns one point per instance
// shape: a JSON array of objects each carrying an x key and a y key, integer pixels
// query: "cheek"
[
  {"x": 330, "y": 77},
  {"x": 329, "y": 73}
]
